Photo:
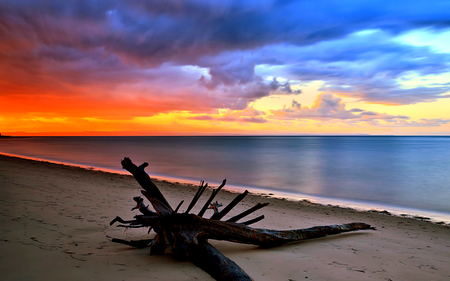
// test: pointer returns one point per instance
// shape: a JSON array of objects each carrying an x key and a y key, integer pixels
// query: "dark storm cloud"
[
  {"x": 157, "y": 31},
  {"x": 135, "y": 42}
]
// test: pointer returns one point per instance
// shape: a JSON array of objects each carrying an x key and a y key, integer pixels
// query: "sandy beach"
[{"x": 54, "y": 225}]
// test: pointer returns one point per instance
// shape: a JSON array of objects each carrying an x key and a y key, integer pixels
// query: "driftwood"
[{"x": 187, "y": 234}]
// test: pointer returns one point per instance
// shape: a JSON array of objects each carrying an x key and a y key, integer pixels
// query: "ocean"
[{"x": 396, "y": 173}]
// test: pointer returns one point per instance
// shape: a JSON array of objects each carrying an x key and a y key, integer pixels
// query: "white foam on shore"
[{"x": 428, "y": 215}]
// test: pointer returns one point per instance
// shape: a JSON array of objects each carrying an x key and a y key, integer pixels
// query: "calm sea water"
[{"x": 410, "y": 172}]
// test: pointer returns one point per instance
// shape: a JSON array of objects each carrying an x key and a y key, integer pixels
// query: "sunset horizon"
[
  {"x": 243, "y": 68},
  {"x": 194, "y": 134}
]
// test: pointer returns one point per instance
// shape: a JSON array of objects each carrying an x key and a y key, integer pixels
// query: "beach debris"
[
  {"x": 215, "y": 207},
  {"x": 422, "y": 218},
  {"x": 187, "y": 234},
  {"x": 380, "y": 212}
]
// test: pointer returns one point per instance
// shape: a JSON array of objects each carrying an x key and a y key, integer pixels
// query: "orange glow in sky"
[{"x": 128, "y": 69}]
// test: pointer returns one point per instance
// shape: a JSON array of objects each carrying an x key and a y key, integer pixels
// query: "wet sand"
[{"x": 54, "y": 225}]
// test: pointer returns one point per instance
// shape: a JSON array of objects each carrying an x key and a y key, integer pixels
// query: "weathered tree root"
[{"x": 187, "y": 234}]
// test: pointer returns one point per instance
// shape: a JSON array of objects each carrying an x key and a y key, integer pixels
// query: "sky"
[{"x": 166, "y": 67}]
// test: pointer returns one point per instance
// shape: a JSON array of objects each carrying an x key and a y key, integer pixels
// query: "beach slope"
[{"x": 54, "y": 225}]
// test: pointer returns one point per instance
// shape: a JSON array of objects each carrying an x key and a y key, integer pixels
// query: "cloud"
[
  {"x": 158, "y": 56},
  {"x": 421, "y": 123},
  {"x": 154, "y": 32},
  {"x": 202, "y": 117},
  {"x": 254, "y": 120},
  {"x": 247, "y": 115},
  {"x": 258, "y": 120},
  {"x": 328, "y": 108},
  {"x": 368, "y": 66}
]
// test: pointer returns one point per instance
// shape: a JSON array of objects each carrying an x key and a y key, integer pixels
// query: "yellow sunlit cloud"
[
  {"x": 430, "y": 110},
  {"x": 47, "y": 120},
  {"x": 308, "y": 95}
]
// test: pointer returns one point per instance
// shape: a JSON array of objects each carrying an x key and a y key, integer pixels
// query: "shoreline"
[
  {"x": 54, "y": 225},
  {"x": 438, "y": 217}
]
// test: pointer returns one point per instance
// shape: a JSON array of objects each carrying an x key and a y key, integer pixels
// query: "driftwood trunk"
[{"x": 187, "y": 234}]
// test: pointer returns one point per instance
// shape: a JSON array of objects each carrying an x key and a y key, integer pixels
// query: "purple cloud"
[
  {"x": 203, "y": 55},
  {"x": 329, "y": 107}
]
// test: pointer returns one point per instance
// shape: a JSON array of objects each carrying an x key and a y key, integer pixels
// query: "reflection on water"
[{"x": 404, "y": 171}]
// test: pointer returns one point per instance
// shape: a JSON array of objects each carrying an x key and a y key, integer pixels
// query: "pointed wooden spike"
[
  {"x": 213, "y": 194},
  {"x": 252, "y": 221},
  {"x": 230, "y": 206},
  {"x": 199, "y": 193},
  {"x": 179, "y": 205},
  {"x": 248, "y": 212}
]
